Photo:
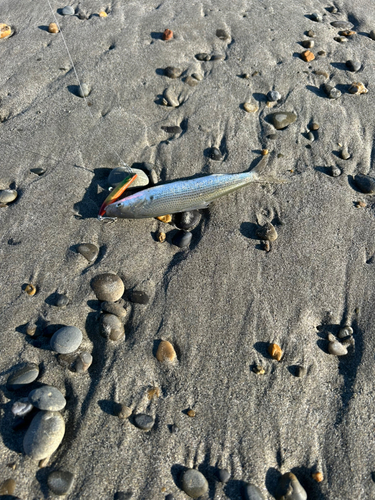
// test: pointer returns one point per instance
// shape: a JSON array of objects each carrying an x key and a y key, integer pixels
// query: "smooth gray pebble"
[
  {"x": 252, "y": 492},
  {"x": 194, "y": 483},
  {"x": 89, "y": 251},
  {"x": 60, "y": 482},
  {"x": 47, "y": 398},
  {"x": 68, "y": 11},
  {"x": 66, "y": 340},
  {"x": 24, "y": 376},
  {"x": 143, "y": 421}
]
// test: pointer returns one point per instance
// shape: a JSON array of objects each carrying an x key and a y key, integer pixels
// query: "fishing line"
[{"x": 84, "y": 97}]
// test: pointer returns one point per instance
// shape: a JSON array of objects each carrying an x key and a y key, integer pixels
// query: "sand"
[{"x": 221, "y": 301}]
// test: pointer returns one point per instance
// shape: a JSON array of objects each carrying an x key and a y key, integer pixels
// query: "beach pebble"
[
  {"x": 311, "y": 34},
  {"x": 365, "y": 183},
  {"x": 194, "y": 483},
  {"x": 89, "y": 251},
  {"x": 192, "y": 82},
  {"x": 258, "y": 370},
  {"x": 336, "y": 348},
  {"x": 160, "y": 236},
  {"x": 197, "y": 76},
  {"x": 123, "y": 495},
  {"x": 335, "y": 171},
  {"x": 321, "y": 73},
  {"x": 83, "y": 362},
  {"x": 307, "y": 56},
  {"x": 357, "y": 88},
  {"x": 191, "y": 413},
  {"x": 203, "y": 56},
  {"x": 331, "y": 91},
  {"x": 223, "y": 475},
  {"x": 47, "y": 398},
  {"x": 372, "y": 34},
  {"x": 171, "y": 98},
  {"x": 222, "y": 34},
  {"x": 118, "y": 174},
  {"x": 165, "y": 352},
  {"x": 68, "y": 11},
  {"x": 111, "y": 327},
  {"x": 23, "y": 377},
  {"x": 8, "y": 195},
  {"x": 61, "y": 300},
  {"x": 30, "y": 289},
  {"x": 102, "y": 13},
  {"x": 275, "y": 351},
  {"x": 21, "y": 407},
  {"x": 301, "y": 371},
  {"x": 182, "y": 239},
  {"x": 341, "y": 39},
  {"x": 344, "y": 332},
  {"x": 44, "y": 435},
  {"x": 217, "y": 57},
  {"x": 314, "y": 126},
  {"x": 173, "y": 129},
  {"x": 8, "y": 487},
  {"x": 273, "y": 95},
  {"x": 344, "y": 25},
  {"x": 252, "y": 492},
  {"x": 345, "y": 153},
  {"x": 282, "y": 119},
  {"x": 267, "y": 232},
  {"x": 66, "y": 340},
  {"x": 317, "y": 476},
  {"x": 60, "y": 482},
  {"x": 123, "y": 411},
  {"x": 316, "y": 17},
  {"x": 151, "y": 173},
  {"x": 169, "y": 497},
  {"x": 308, "y": 44},
  {"x": 139, "y": 297},
  {"x": 289, "y": 488},
  {"x": 250, "y": 107},
  {"x": 143, "y": 421},
  {"x": 38, "y": 170},
  {"x": 108, "y": 287},
  {"x": 353, "y": 65},
  {"x": 84, "y": 90},
  {"x": 167, "y": 35},
  {"x": 187, "y": 220},
  {"x": 52, "y": 28},
  {"x": 5, "y": 31},
  {"x": 215, "y": 154},
  {"x": 172, "y": 72},
  {"x": 114, "y": 308}
]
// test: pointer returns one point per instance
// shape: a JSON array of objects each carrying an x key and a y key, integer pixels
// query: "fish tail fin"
[{"x": 264, "y": 171}]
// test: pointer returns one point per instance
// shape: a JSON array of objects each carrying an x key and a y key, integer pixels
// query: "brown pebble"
[
  {"x": 308, "y": 44},
  {"x": 30, "y": 289},
  {"x": 259, "y": 370},
  {"x": 314, "y": 126},
  {"x": 165, "y": 218},
  {"x": 124, "y": 412},
  {"x": 165, "y": 352},
  {"x": 250, "y": 108},
  {"x": 311, "y": 34},
  {"x": 267, "y": 232},
  {"x": 52, "y": 28},
  {"x": 267, "y": 245},
  {"x": 275, "y": 352},
  {"x": 31, "y": 329},
  {"x": 347, "y": 33},
  {"x": 340, "y": 39},
  {"x": 318, "y": 477},
  {"x": 8, "y": 487},
  {"x": 361, "y": 204},
  {"x": 161, "y": 236},
  {"x": 5, "y": 30},
  {"x": 191, "y": 413},
  {"x": 307, "y": 56},
  {"x": 264, "y": 152},
  {"x": 167, "y": 35}
]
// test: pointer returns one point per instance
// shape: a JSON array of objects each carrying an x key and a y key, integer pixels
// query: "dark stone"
[
  {"x": 187, "y": 220},
  {"x": 223, "y": 475},
  {"x": 172, "y": 72},
  {"x": 61, "y": 300},
  {"x": 215, "y": 154},
  {"x": 203, "y": 57},
  {"x": 365, "y": 183},
  {"x": 60, "y": 482},
  {"x": 331, "y": 91},
  {"x": 182, "y": 239},
  {"x": 353, "y": 65},
  {"x": 143, "y": 421},
  {"x": 222, "y": 34},
  {"x": 169, "y": 497},
  {"x": 22, "y": 377},
  {"x": 174, "y": 129},
  {"x": 89, "y": 251},
  {"x": 139, "y": 297},
  {"x": 123, "y": 495},
  {"x": 289, "y": 488},
  {"x": 252, "y": 492},
  {"x": 38, "y": 170},
  {"x": 282, "y": 119}
]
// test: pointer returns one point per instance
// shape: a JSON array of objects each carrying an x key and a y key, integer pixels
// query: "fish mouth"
[{"x": 111, "y": 210}]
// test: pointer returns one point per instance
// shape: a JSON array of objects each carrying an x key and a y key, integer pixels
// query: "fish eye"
[
  {"x": 118, "y": 205},
  {"x": 151, "y": 197}
]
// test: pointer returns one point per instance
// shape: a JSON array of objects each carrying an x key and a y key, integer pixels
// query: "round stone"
[
  {"x": 118, "y": 174},
  {"x": 165, "y": 352},
  {"x": 365, "y": 183},
  {"x": 223, "y": 475},
  {"x": 337, "y": 349},
  {"x": 172, "y": 129},
  {"x": 123, "y": 411},
  {"x": 47, "y": 398},
  {"x": 66, "y": 340},
  {"x": 283, "y": 119},
  {"x": 8, "y": 487},
  {"x": 23, "y": 377},
  {"x": 331, "y": 91},
  {"x": 289, "y": 488},
  {"x": 61, "y": 300},
  {"x": 8, "y": 195},
  {"x": 182, "y": 239},
  {"x": 194, "y": 483},
  {"x": 172, "y": 72},
  {"x": 84, "y": 90},
  {"x": 68, "y": 11},
  {"x": 114, "y": 308},
  {"x": 252, "y": 492},
  {"x": 273, "y": 95},
  {"x": 21, "y": 408},
  {"x": 311, "y": 34},
  {"x": 215, "y": 154},
  {"x": 60, "y": 482},
  {"x": 314, "y": 126},
  {"x": 343, "y": 25},
  {"x": 353, "y": 65},
  {"x": 203, "y": 57},
  {"x": 267, "y": 232},
  {"x": 171, "y": 98},
  {"x": 111, "y": 327},
  {"x": 222, "y": 34},
  {"x": 44, "y": 435},
  {"x": 346, "y": 331},
  {"x": 275, "y": 351},
  {"x": 139, "y": 297},
  {"x": 83, "y": 362},
  {"x": 89, "y": 251},
  {"x": 108, "y": 287},
  {"x": 143, "y": 421},
  {"x": 317, "y": 17},
  {"x": 308, "y": 44},
  {"x": 38, "y": 171},
  {"x": 187, "y": 220}
]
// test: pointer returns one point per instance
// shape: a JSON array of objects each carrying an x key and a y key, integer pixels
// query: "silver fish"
[{"x": 180, "y": 196}]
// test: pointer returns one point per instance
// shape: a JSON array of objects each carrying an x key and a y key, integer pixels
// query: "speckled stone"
[
  {"x": 44, "y": 435},
  {"x": 172, "y": 72},
  {"x": 335, "y": 171},
  {"x": 112, "y": 327},
  {"x": 84, "y": 90},
  {"x": 143, "y": 421},
  {"x": 8, "y": 195},
  {"x": 22, "y": 377},
  {"x": 289, "y": 488},
  {"x": 282, "y": 119},
  {"x": 365, "y": 183},
  {"x": 182, "y": 239},
  {"x": 194, "y": 483},
  {"x": 139, "y": 297},
  {"x": 252, "y": 492},
  {"x": 66, "y": 339},
  {"x": 47, "y": 398},
  {"x": 118, "y": 174},
  {"x": 89, "y": 251},
  {"x": 108, "y": 287},
  {"x": 187, "y": 220},
  {"x": 60, "y": 482},
  {"x": 223, "y": 475}
]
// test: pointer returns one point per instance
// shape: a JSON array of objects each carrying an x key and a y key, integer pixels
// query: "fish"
[{"x": 181, "y": 195}]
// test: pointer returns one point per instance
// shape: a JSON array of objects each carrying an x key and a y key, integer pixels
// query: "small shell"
[
  {"x": 30, "y": 289},
  {"x": 52, "y": 28},
  {"x": 275, "y": 351},
  {"x": 161, "y": 236},
  {"x": 5, "y": 30},
  {"x": 165, "y": 218}
]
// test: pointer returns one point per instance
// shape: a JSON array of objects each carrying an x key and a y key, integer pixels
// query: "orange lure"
[{"x": 115, "y": 194}]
